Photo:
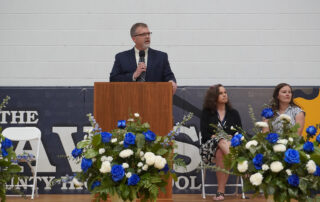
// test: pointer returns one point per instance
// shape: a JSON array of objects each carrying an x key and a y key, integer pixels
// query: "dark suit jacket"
[{"x": 158, "y": 67}]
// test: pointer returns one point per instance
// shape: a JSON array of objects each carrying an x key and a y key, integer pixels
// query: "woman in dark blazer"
[{"x": 217, "y": 111}]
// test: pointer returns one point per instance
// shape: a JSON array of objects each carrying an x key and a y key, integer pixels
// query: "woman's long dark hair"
[
  {"x": 211, "y": 99},
  {"x": 275, "y": 100}
]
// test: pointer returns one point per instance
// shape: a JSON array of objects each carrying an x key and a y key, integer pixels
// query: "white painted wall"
[{"x": 234, "y": 42}]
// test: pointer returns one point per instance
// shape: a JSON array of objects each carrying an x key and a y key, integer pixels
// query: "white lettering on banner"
[
  {"x": 193, "y": 183},
  {"x": 31, "y": 117},
  {"x": 44, "y": 163},
  {"x": 19, "y": 117},
  {"x": 46, "y": 181},
  {"x": 64, "y": 134},
  {"x": 185, "y": 184},
  {"x": 4, "y": 117},
  {"x": 188, "y": 150}
]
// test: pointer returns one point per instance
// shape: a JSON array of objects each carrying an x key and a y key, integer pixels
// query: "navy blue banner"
[{"x": 60, "y": 114}]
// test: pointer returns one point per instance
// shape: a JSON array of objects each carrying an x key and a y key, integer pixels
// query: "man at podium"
[{"x": 142, "y": 63}]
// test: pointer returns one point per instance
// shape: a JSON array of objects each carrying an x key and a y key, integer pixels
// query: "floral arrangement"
[
  {"x": 283, "y": 165},
  {"x": 8, "y": 169},
  {"x": 129, "y": 162}
]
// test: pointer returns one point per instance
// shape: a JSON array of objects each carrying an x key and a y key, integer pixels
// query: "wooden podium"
[{"x": 152, "y": 100}]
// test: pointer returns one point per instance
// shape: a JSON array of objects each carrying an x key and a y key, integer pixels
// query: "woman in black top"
[{"x": 217, "y": 110}]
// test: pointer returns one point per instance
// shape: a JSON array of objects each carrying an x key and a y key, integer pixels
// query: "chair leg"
[
  {"x": 203, "y": 173},
  {"x": 243, "y": 194}
]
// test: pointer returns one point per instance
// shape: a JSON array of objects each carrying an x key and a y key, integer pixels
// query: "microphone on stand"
[{"x": 142, "y": 76}]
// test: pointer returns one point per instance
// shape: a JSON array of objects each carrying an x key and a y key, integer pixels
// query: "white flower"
[
  {"x": 76, "y": 182},
  {"x": 290, "y": 139},
  {"x": 105, "y": 167},
  {"x": 279, "y": 148},
  {"x": 232, "y": 128},
  {"x": 104, "y": 158},
  {"x": 136, "y": 115},
  {"x": 109, "y": 158},
  {"x": 139, "y": 171},
  {"x": 145, "y": 167},
  {"x": 159, "y": 162},
  {"x": 126, "y": 153},
  {"x": 243, "y": 166},
  {"x": 131, "y": 120},
  {"x": 265, "y": 167},
  {"x": 250, "y": 143},
  {"x": 140, "y": 164},
  {"x": 142, "y": 158},
  {"x": 121, "y": 142},
  {"x": 125, "y": 165},
  {"x": 285, "y": 117},
  {"x": 85, "y": 137},
  {"x": 261, "y": 124},
  {"x": 308, "y": 156},
  {"x": 311, "y": 167},
  {"x": 282, "y": 141},
  {"x": 256, "y": 179},
  {"x": 141, "y": 153},
  {"x": 113, "y": 140},
  {"x": 128, "y": 175},
  {"x": 102, "y": 150},
  {"x": 242, "y": 138},
  {"x": 150, "y": 158},
  {"x": 288, "y": 171},
  {"x": 276, "y": 166}
]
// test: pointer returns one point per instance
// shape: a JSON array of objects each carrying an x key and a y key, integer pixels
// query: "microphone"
[
  {"x": 141, "y": 55},
  {"x": 142, "y": 76}
]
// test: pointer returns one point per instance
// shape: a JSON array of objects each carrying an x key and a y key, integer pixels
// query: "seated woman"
[
  {"x": 217, "y": 110},
  {"x": 282, "y": 103}
]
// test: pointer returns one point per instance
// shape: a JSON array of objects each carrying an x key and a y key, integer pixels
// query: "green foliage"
[{"x": 8, "y": 169}]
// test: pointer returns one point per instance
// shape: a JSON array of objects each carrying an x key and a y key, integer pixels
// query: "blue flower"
[
  {"x": 293, "y": 180},
  {"x": 272, "y": 137},
  {"x": 6, "y": 143},
  {"x": 122, "y": 124},
  {"x": 4, "y": 152},
  {"x": 165, "y": 168},
  {"x": 318, "y": 138},
  {"x": 311, "y": 130},
  {"x": 258, "y": 161},
  {"x": 317, "y": 172},
  {"x": 95, "y": 184},
  {"x": 86, "y": 164},
  {"x": 308, "y": 146},
  {"x": 236, "y": 140},
  {"x": 76, "y": 152},
  {"x": 117, "y": 172},
  {"x": 292, "y": 156},
  {"x": 150, "y": 136},
  {"x": 267, "y": 113},
  {"x": 134, "y": 179},
  {"x": 105, "y": 137},
  {"x": 129, "y": 139}
]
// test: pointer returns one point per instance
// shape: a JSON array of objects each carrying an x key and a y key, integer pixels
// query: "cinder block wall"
[{"x": 234, "y": 42}]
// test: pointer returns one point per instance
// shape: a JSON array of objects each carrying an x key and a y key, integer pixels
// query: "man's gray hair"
[{"x": 135, "y": 26}]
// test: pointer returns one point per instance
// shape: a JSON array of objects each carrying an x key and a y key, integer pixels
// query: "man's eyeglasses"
[{"x": 144, "y": 34}]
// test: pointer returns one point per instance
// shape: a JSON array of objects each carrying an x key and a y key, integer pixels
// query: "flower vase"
[{"x": 116, "y": 198}]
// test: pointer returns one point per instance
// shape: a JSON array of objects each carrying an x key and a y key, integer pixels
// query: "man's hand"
[
  {"x": 174, "y": 86},
  {"x": 141, "y": 68}
]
